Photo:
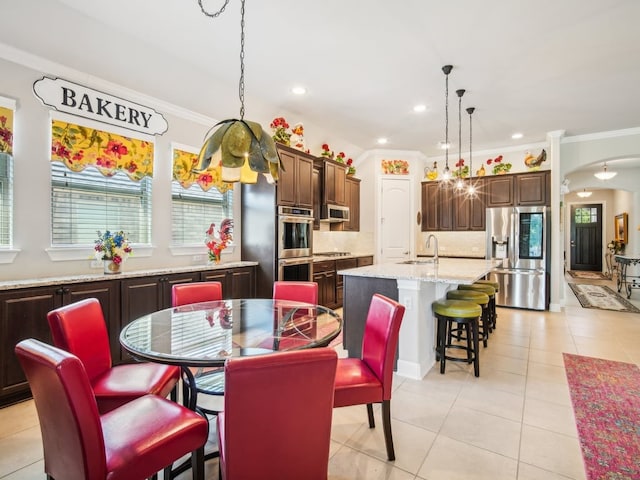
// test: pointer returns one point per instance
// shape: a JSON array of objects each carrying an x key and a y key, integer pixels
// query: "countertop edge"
[{"x": 96, "y": 277}]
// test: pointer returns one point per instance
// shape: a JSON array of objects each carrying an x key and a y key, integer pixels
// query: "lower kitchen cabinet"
[
  {"x": 343, "y": 264},
  {"x": 236, "y": 282},
  {"x": 23, "y": 314},
  {"x": 324, "y": 274}
]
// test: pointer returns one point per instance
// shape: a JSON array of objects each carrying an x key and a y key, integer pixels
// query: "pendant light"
[
  {"x": 460, "y": 181},
  {"x": 604, "y": 174},
  {"x": 242, "y": 147},
  {"x": 446, "y": 174},
  {"x": 471, "y": 189},
  {"x": 584, "y": 193}
]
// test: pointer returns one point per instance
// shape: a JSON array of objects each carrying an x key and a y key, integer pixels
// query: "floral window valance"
[
  {"x": 6, "y": 130},
  {"x": 184, "y": 173},
  {"x": 79, "y": 147}
]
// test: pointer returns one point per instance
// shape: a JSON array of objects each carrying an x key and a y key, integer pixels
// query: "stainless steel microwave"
[{"x": 334, "y": 213}]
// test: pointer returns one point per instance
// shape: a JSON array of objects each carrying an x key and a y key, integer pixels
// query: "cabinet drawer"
[
  {"x": 345, "y": 263},
  {"x": 324, "y": 266},
  {"x": 364, "y": 261}
]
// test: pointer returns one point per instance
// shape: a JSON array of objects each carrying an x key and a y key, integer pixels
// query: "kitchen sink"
[{"x": 425, "y": 261}]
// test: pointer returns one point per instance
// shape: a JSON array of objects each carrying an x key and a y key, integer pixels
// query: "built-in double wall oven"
[{"x": 295, "y": 239}]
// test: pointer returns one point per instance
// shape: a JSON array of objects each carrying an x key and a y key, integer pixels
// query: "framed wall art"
[{"x": 621, "y": 227}]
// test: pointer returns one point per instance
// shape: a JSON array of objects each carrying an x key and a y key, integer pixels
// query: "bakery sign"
[{"x": 75, "y": 99}]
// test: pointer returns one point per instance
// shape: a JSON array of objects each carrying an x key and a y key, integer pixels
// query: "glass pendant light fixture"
[
  {"x": 605, "y": 174},
  {"x": 471, "y": 188},
  {"x": 584, "y": 193},
  {"x": 242, "y": 147},
  {"x": 460, "y": 181},
  {"x": 446, "y": 174}
]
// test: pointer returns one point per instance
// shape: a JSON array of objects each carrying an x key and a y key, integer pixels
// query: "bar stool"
[
  {"x": 491, "y": 292},
  {"x": 466, "y": 315},
  {"x": 481, "y": 299},
  {"x": 496, "y": 286}
]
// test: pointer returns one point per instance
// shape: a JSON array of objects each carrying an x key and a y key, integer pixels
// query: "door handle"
[{"x": 572, "y": 243}]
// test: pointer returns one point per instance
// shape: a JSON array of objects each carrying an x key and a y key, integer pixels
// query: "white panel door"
[{"x": 395, "y": 219}]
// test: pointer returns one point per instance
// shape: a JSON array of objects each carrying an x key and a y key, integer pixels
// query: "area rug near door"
[
  {"x": 606, "y": 404},
  {"x": 602, "y": 297},
  {"x": 587, "y": 275}
]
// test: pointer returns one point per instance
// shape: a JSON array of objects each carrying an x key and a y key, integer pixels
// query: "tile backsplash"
[
  {"x": 454, "y": 244},
  {"x": 354, "y": 242}
]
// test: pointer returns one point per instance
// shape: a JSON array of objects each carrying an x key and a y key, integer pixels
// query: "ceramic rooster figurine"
[{"x": 533, "y": 163}]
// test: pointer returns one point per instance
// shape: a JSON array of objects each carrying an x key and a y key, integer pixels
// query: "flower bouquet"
[
  {"x": 461, "y": 170},
  {"x": 340, "y": 157},
  {"x": 351, "y": 170},
  {"x": 499, "y": 168},
  {"x": 326, "y": 151},
  {"x": 113, "y": 248},
  {"x": 279, "y": 126},
  {"x": 216, "y": 242},
  {"x": 616, "y": 247}
]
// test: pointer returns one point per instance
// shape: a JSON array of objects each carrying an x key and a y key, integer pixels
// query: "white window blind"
[
  {"x": 193, "y": 210},
  {"x": 87, "y": 201},
  {"x": 6, "y": 199}
]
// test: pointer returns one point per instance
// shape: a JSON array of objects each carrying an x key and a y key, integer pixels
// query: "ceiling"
[{"x": 527, "y": 66}]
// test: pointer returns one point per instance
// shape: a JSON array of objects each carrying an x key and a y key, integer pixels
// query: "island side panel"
[{"x": 358, "y": 292}]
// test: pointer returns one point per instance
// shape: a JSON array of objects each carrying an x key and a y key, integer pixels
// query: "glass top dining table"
[{"x": 206, "y": 334}]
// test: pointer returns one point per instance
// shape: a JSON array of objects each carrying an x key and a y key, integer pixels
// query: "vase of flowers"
[
  {"x": 280, "y": 127},
  {"x": 351, "y": 170},
  {"x": 616, "y": 247},
  {"x": 499, "y": 168},
  {"x": 326, "y": 151},
  {"x": 340, "y": 157},
  {"x": 113, "y": 249},
  {"x": 216, "y": 242}
]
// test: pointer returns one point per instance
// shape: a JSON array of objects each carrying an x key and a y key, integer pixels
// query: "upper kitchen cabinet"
[
  {"x": 533, "y": 188},
  {"x": 352, "y": 187},
  {"x": 499, "y": 191},
  {"x": 430, "y": 208},
  {"x": 295, "y": 185},
  {"x": 469, "y": 210},
  {"x": 334, "y": 177}
]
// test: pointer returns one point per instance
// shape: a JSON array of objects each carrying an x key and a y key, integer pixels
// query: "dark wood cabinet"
[
  {"x": 317, "y": 198},
  {"x": 445, "y": 207},
  {"x": 295, "y": 185},
  {"x": 324, "y": 274},
  {"x": 23, "y": 314},
  {"x": 429, "y": 205},
  {"x": 365, "y": 261},
  {"x": 352, "y": 194},
  {"x": 533, "y": 188},
  {"x": 499, "y": 191},
  {"x": 342, "y": 264},
  {"x": 469, "y": 210},
  {"x": 334, "y": 178},
  {"x": 236, "y": 282}
]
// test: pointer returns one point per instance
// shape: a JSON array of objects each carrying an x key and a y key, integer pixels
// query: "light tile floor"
[{"x": 513, "y": 422}]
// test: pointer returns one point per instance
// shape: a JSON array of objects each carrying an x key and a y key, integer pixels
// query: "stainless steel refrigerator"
[{"x": 519, "y": 238}]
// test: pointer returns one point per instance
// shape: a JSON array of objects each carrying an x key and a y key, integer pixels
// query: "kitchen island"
[{"x": 414, "y": 285}]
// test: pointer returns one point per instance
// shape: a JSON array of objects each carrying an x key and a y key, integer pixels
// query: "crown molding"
[{"x": 42, "y": 65}]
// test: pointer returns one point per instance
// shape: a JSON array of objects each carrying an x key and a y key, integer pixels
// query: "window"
[
  {"x": 198, "y": 198},
  {"x": 87, "y": 201},
  {"x": 586, "y": 215},
  {"x": 193, "y": 210},
  {"x": 6, "y": 199},
  {"x": 99, "y": 181}
]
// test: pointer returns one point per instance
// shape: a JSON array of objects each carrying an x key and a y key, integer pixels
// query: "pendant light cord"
[
  {"x": 470, "y": 110},
  {"x": 217, "y": 14}
]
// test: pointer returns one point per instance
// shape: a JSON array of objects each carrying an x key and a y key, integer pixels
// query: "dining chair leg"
[
  {"x": 166, "y": 474},
  {"x": 197, "y": 463},
  {"x": 372, "y": 422},
  {"x": 386, "y": 424}
]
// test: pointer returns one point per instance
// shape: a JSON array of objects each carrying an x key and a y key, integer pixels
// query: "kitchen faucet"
[{"x": 435, "y": 248}]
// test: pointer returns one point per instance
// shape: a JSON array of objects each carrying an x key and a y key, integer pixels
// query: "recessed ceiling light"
[
  {"x": 443, "y": 145},
  {"x": 517, "y": 136},
  {"x": 419, "y": 108},
  {"x": 298, "y": 90},
  {"x": 382, "y": 141}
]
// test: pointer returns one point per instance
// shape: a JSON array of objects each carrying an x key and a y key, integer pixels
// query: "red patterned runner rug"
[{"x": 606, "y": 403}]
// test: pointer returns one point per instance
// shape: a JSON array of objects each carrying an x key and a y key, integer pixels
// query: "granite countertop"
[
  {"x": 322, "y": 258},
  {"x": 92, "y": 277},
  {"x": 449, "y": 270}
]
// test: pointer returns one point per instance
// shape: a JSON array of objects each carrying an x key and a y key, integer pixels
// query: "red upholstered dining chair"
[
  {"x": 296, "y": 291},
  {"x": 79, "y": 328},
  {"x": 209, "y": 381},
  {"x": 131, "y": 442},
  {"x": 276, "y": 421},
  {"x": 196, "y": 292},
  {"x": 368, "y": 379}
]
